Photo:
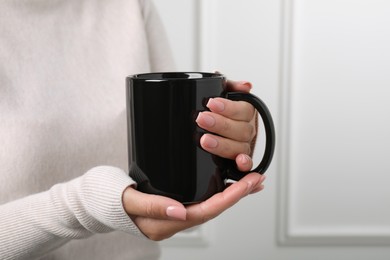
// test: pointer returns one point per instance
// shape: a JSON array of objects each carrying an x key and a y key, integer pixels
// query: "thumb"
[{"x": 141, "y": 204}]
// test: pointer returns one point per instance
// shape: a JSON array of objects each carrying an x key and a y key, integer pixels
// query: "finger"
[
  {"x": 153, "y": 206},
  {"x": 196, "y": 214},
  {"x": 220, "y": 202},
  {"x": 240, "y": 86},
  {"x": 159, "y": 229},
  {"x": 200, "y": 213},
  {"x": 236, "y": 110},
  {"x": 236, "y": 130},
  {"x": 258, "y": 186},
  {"x": 224, "y": 147},
  {"x": 257, "y": 189},
  {"x": 244, "y": 162}
]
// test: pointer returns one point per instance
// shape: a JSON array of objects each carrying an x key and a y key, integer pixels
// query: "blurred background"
[{"x": 323, "y": 68}]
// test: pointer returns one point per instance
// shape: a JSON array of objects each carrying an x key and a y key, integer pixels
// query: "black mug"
[{"x": 165, "y": 156}]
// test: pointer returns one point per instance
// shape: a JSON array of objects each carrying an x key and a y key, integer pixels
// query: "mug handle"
[{"x": 232, "y": 172}]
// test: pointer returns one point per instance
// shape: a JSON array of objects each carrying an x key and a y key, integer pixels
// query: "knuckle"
[
  {"x": 248, "y": 133},
  {"x": 149, "y": 208},
  {"x": 205, "y": 216},
  {"x": 228, "y": 151},
  {"x": 247, "y": 148},
  {"x": 157, "y": 234},
  {"x": 236, "y": 112},
  {"x": 226, "y": 126},
  {"x": 231, "y": 148},
  {"x": 157, "y": 237},
  {"x": 154, "y": 230},
  {"x": 251, "y": 112},
  {"x": 245, "y": 111},
  {"x": 152, "y": 209}
]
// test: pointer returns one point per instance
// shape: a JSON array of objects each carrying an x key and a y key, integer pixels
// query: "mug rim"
[{"x": 186, "y": 75}]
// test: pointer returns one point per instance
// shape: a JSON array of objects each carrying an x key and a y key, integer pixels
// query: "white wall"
[
  {"x": 181, "y": 23},
  {"x": 337, "y": 141},
  {"x": 322, "y": 67}
]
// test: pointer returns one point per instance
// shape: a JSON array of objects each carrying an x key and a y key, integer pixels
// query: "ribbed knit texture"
[
  {"x": 77, "y": 209},
  {"x": 63, "y": 65}
]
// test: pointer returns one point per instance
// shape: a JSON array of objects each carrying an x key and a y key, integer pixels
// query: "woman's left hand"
[{"x": 234, "y": 126}]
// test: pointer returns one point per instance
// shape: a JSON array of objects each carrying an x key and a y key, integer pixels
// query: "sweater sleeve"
[{"x": 92, "y": 203}]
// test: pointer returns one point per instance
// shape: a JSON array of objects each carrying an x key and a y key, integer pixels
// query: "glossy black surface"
[{"x": 165, "y": 157}]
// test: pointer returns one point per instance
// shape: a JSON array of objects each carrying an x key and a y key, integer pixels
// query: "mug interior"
[{"x": 176, "y": 75}]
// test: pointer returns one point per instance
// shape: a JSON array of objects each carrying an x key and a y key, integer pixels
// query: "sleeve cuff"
[{"x": 96, "y": 200}]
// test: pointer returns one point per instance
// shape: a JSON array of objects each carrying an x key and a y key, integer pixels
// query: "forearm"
[
  {"x": 90, "y": 204},
  {"x": 29, "y": 227}
]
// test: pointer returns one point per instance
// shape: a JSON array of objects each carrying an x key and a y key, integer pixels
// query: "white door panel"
[
  {"x": 336, "y": 182},
  {"x": 323, "y": 69}
]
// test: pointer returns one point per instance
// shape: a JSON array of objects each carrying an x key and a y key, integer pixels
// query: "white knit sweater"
[{"x": 63, "y": 65}]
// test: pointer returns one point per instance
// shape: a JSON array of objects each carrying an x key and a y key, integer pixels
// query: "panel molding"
[
  {"x": 207, "y": 17},
  {"x": 287, "y": 234}
]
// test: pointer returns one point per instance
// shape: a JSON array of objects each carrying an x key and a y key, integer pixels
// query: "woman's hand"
[
  {"x": 160, "y": 217},
  {"x": 235, "y": 124}
]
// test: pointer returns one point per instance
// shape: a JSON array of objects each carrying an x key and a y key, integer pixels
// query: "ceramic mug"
[{"x": 165, "y": 156}]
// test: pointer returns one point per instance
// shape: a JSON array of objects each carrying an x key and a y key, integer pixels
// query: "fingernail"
[
  {"x": 176, "y": 212},
  {"x": 215, "y": 105},
  {"x": 244, "y": 159},
  {"x": 246, "y": 83},
  {"x": 209, "y": 142},
  {"x": 205, "y": 120}
]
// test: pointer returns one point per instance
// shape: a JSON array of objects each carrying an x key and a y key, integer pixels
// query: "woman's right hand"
[{"x": 160, "y": 217}]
